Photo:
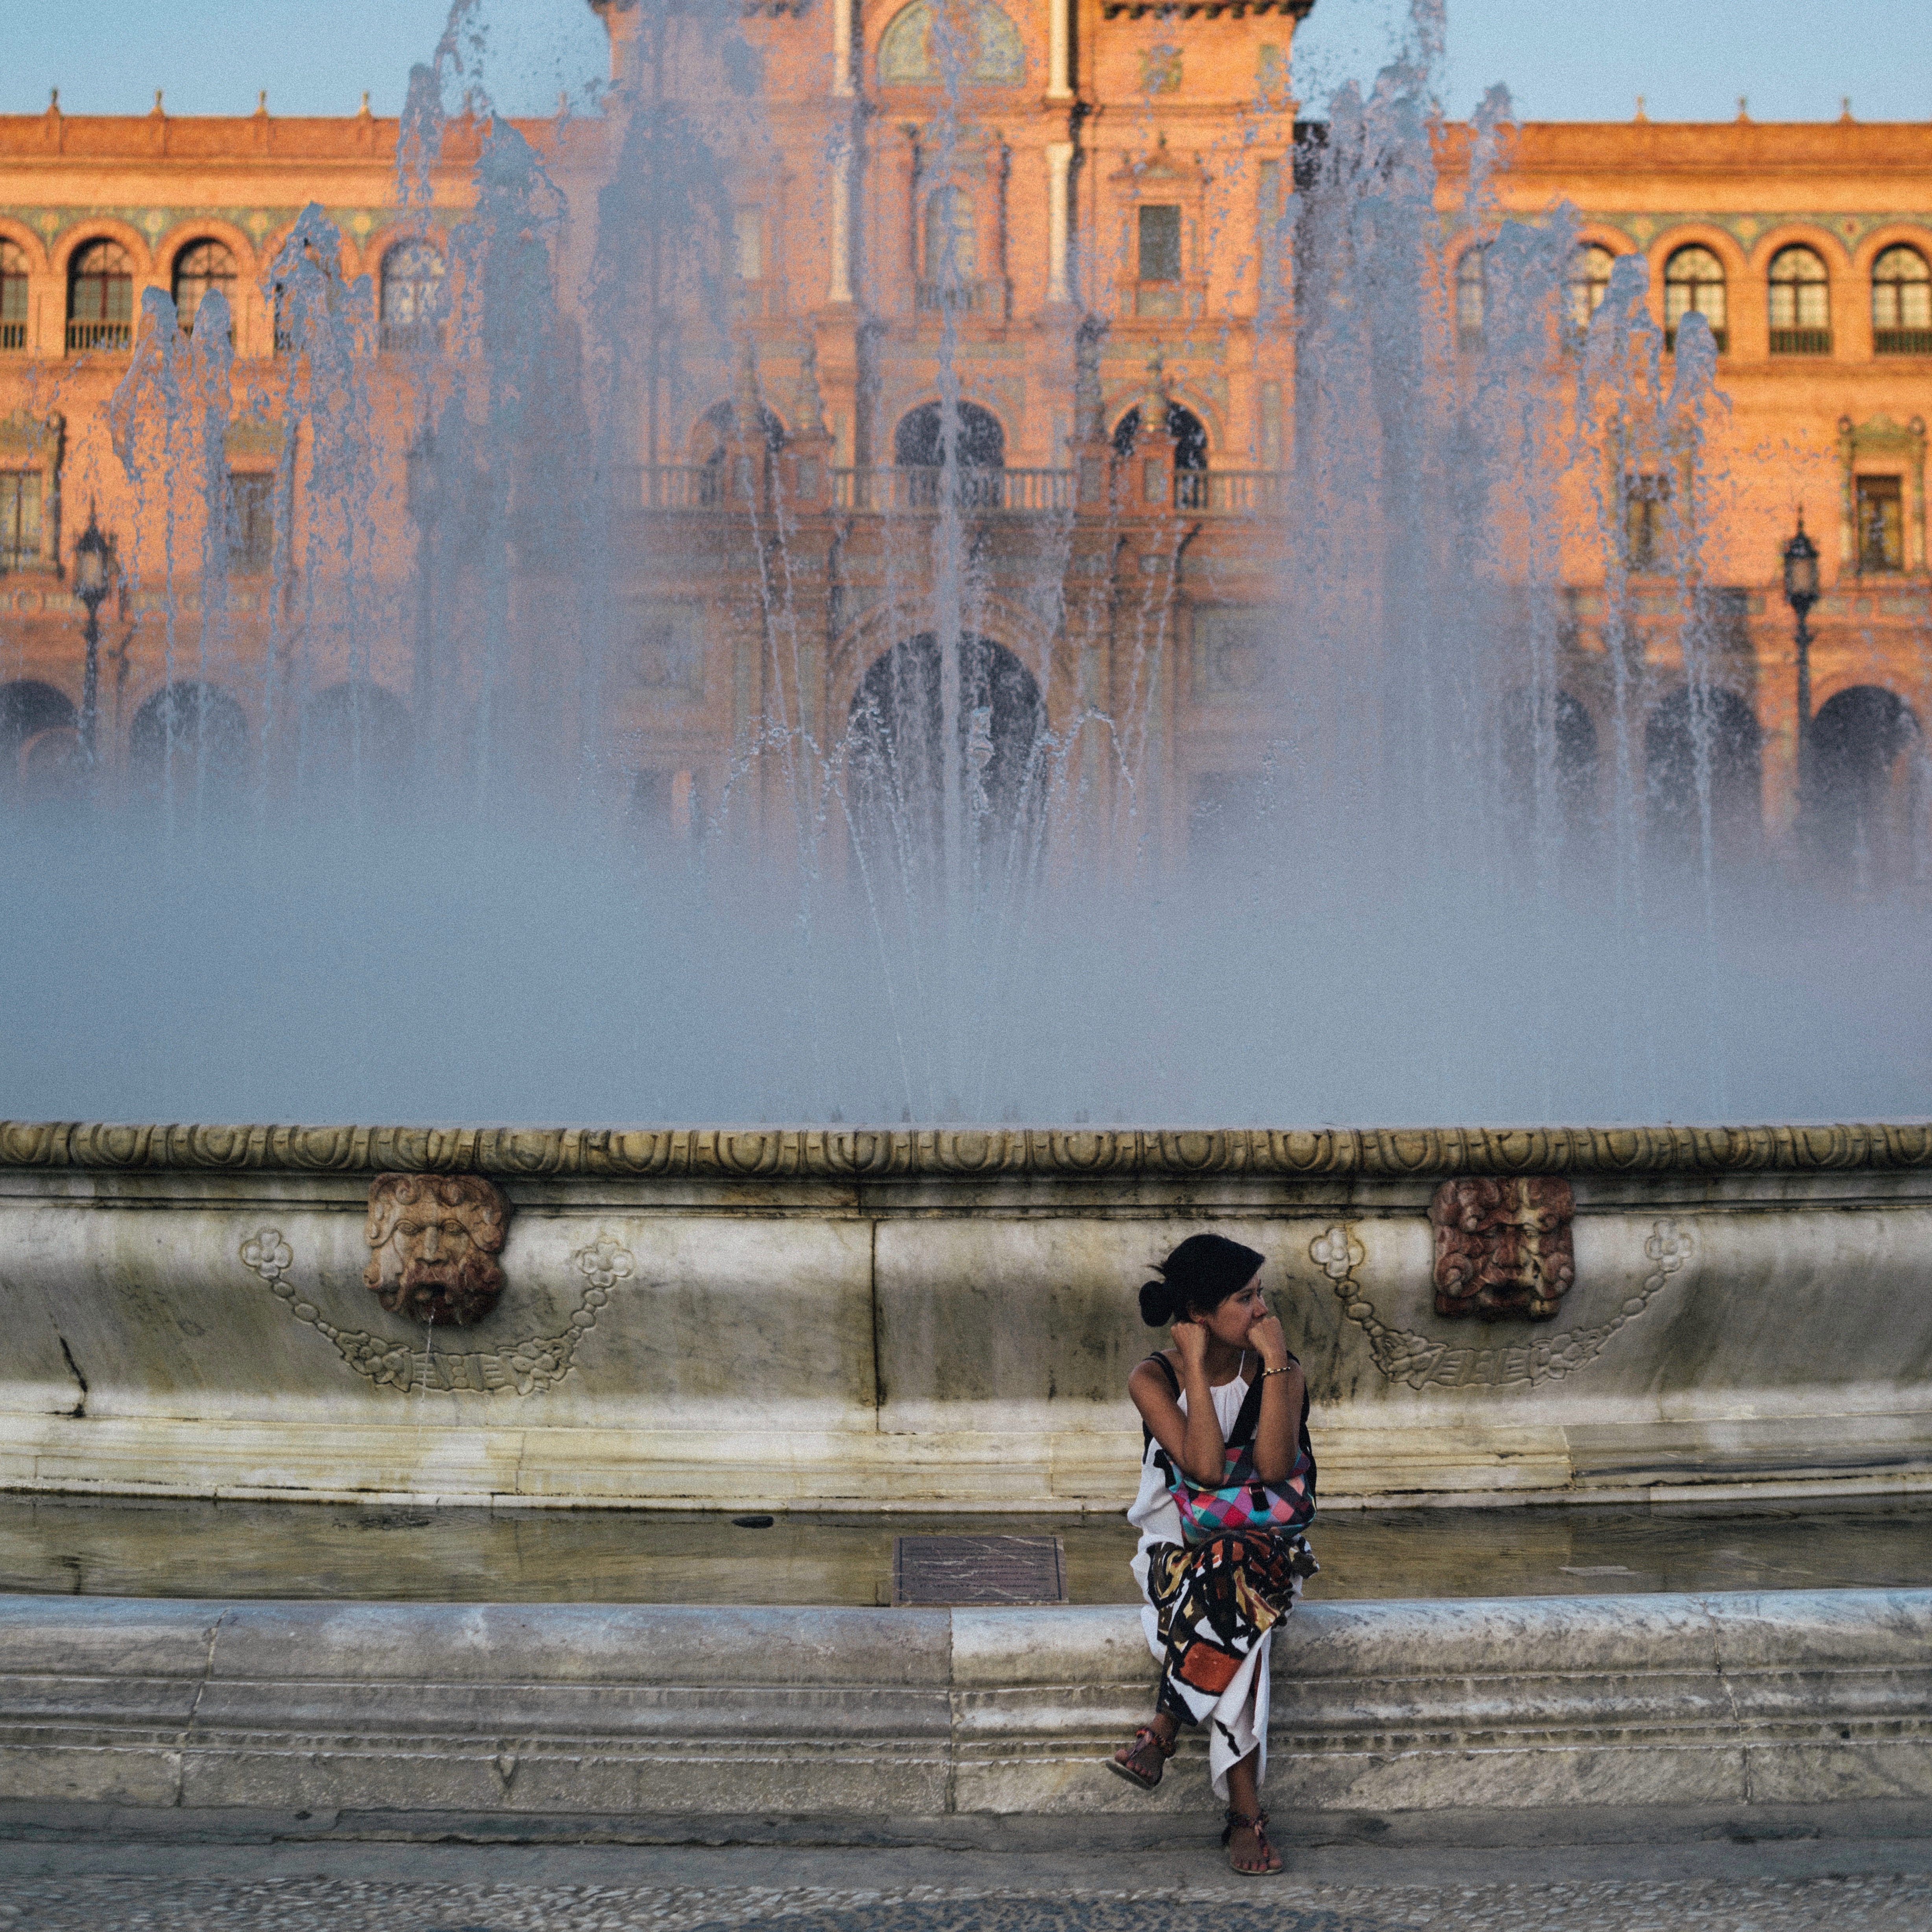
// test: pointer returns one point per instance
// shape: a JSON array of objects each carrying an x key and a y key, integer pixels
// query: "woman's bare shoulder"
[{"x": 1148, "y": 1374}]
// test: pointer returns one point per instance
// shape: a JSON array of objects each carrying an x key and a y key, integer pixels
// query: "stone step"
[{"x": 1768, "y": 1698}]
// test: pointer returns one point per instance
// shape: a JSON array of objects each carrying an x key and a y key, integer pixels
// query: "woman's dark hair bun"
[
  {"x": 1197, "y": 1278},
  {"x": 1157, "y": 1308}
]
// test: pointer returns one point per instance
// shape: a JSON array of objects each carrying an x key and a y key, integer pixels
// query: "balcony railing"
[
  {"x": 1800, "y": 342},
  {"x": 986, "y": 299},
  {"x": 86, "y": 335},
  {"x": 674, "y": 486},
  {"x": 1902, "y": 341},
  {"x": 978, "y": 492},
  {"x": 413, "y": 338},
  {"x": 1720, "y": 338},
  {"x": 1228, "y": 493},
  {"x": 13, "y": 335}
]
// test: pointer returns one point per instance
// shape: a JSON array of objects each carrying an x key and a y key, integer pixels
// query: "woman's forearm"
[
  {"x": 1275, "y": 1429},
  {"x": 1203, "y": 1450}
]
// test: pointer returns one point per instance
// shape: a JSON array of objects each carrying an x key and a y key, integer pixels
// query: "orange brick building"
[{"x": 785, "y": 264}]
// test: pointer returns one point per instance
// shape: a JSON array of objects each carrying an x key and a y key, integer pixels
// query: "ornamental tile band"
[{"x": 916, "y": 1154}]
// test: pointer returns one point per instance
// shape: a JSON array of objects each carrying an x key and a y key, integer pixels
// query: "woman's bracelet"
[{"x": 1282, "y": 1371}]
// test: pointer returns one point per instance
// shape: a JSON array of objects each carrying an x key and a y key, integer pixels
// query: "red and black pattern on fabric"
[{"x": 1214, "y": 1601}]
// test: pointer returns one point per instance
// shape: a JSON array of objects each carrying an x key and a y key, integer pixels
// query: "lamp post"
[
  {"x": 1800, "y": 592},
  {"x": 94, "y": 575}
]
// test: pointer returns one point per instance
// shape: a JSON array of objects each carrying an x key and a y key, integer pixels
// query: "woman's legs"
[{"x": 1248, "y": 1848}]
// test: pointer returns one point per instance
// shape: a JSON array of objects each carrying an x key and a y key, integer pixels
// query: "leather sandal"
[
  {"x": 1239, "y": 1821},
  {"x": 1146, "y": 1735}
]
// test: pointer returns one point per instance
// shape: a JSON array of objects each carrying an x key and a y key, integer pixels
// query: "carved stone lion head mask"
[{"x": 435, "y": 1239}]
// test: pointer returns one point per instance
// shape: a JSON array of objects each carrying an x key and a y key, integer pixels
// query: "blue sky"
[{"x": 1561, "y": 59}]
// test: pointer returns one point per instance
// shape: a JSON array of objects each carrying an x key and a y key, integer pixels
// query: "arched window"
[
  {"x": 40, "y": 747},
  {"x": 200, "y": 269},
  {"x": 951, "y": 250},
  {"x": 13, "y": 295},
  {"x": 1188, "y": 432},
  {"x": 716, "y": 429},
  {"x": 413, "y": 275},
  {"x": 1693, "y": 284},
  {"x": 1472, "y": 296},
  {"x": 919, "y": 442},
  {"x": 20, "y": 517},
  {"x": 1879, "y": 503},
  {"x": 100, "y": 297},
  {"x": 1801, "y": 303},
  {"x": 1901, "y": 303},
  {"x": 1589, "y": 282}
]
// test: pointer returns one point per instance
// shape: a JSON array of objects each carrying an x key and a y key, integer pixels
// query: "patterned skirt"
[{"x": 1214, "y": 1602}]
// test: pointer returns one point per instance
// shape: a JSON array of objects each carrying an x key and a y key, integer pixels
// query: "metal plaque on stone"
[{"x": 940, "y": 1570}]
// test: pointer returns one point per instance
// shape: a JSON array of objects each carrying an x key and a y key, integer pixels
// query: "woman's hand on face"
[
  {"x": 1191, "y": 1338},
  {"x": 1265, "y": 1338}
]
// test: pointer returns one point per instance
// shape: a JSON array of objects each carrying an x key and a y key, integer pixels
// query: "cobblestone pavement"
[
  {"x": 1850, "y": 1868},
  {"x": 1894, "y": 1903}
]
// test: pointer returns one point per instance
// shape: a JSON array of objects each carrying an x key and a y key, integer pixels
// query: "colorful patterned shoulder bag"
[{"x": 1241, "y": 1501}]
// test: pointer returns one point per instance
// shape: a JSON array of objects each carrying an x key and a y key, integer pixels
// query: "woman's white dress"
[{"x": 1237, "y": 1720}]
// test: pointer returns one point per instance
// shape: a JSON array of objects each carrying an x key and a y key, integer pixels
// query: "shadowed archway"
[
  {"x": 1867, "y": 784},
  {"x": 896, "y": 728}
]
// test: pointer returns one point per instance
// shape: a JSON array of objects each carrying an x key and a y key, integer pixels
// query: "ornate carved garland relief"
[
  {"x": 529, "y": 1365},
  {"x": 1424, "y": 1362}
]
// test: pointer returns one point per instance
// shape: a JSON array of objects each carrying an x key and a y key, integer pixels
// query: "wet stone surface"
[{"x": 123, "y": 1546}]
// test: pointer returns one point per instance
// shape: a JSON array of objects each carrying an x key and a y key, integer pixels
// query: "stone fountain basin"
[{"x": 942, "y": 1320}]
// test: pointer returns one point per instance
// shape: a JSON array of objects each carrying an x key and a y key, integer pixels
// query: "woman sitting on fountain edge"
[{"x": 1227, "y": 1485}]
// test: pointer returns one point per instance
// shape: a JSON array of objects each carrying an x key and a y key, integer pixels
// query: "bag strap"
[{"x": 1249, "y": 1419}]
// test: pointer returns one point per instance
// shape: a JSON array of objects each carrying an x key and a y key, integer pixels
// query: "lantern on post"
[
  {"x": 95, "y": 572},
  {"x": 1800, "y": 592}
]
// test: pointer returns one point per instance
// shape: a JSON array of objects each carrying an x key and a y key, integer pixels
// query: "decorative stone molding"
[
  {"x": 528, "y": 1366},
  {"x": 1503, "y": 1247},
  {"x": 1427, "y": 1362},
  {"x": 915, "y": 1153}
]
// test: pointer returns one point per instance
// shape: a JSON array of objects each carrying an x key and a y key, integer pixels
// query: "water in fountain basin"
[{"x": 405, "y": 887}]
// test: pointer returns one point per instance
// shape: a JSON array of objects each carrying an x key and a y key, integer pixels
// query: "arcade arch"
[
  {"x": 356, "y": 729},
  {"x": 1727, "y": 729},
  {"x": 1867, "y": 784},
  {"x": 189, "y": 738},
  {"x": 896, "y": 736},
  {"x": 1571, "y": 750},
  {"x": 39, "y": 745}
]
